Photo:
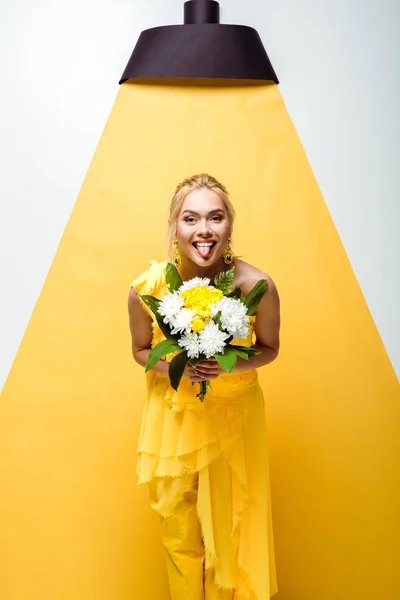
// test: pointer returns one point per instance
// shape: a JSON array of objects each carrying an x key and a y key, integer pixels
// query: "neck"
[{"x": 188, "y": 269}]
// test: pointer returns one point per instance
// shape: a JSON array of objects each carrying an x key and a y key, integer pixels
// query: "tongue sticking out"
[{"x": 204, "y": 250}]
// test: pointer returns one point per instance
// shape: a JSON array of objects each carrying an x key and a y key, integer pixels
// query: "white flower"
[
  {"x": 169, "y": 306},
  {"x": 234, "y": 316},
  {"x": 212, "y": 339},
  {"x": 243, "y": 332},
  {"x": 190, "y": 342},
  {"x": 182, "y": 321},
  {"x": 196, "y": 281}
]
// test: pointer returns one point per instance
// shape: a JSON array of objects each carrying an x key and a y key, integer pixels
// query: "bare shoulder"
[
  {"x": 247, "y": 275},
  {"x": 133, "y": 299}
]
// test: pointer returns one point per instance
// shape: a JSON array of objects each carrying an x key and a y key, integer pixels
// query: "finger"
[
  {"x": 208, "y": 361},
  {"x": 206, "y": 367},
  {"x": 194, "y": 371},
  {"x": 211, "y": 371}
]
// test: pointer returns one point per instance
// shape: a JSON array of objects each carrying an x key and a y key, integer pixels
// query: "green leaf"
[
  {"x": 176, "y": 369},
  {"x": 248, "y": 350},
  {"x": 223, "y": 281},
  {"x": 164, "y": 328},
  {"x": 227, "y": 360},
  {"x": 217, "y": 319},
  {"x": 163, "y": 348},
  {"x": 172, "y": 278},
  {"x": 239, "y": 352},
  {"x": 153, "y": 304},
  {"x": 236, "y": 293},
  {"x": 253, "y": 299}
]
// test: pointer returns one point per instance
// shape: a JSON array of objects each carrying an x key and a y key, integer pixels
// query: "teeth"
[{"x": 205, "y": 244}]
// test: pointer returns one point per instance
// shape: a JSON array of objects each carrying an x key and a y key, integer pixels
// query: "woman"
[{"x": 205, "y": 462}]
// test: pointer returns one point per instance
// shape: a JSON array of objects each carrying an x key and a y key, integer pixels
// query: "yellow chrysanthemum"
[
  {"x": 200, "y": 295},
  {"x": 198, "y": 325},
  {"x": 200, "y": 298}
]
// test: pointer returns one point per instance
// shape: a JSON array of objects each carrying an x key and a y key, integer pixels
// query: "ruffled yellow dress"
[{"x": 181, "y": 435}]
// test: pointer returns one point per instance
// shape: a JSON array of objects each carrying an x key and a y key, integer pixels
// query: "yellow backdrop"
[{"x": 74, "y": 525}]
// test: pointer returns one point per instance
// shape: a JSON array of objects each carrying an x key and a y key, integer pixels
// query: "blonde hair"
[{"x": 196, "y": 182}]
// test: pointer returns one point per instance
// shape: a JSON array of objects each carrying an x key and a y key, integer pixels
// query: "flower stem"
[{"x": 203, "y": 390}]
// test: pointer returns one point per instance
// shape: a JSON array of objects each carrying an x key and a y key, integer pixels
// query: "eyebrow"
[{"x": 193, "y": 212}]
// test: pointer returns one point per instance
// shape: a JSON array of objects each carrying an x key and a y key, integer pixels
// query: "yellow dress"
[{"x": 180, "y": 435}]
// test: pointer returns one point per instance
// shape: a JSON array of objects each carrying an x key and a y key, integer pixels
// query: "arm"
[
  {"x": 141, "y": 332},
  {"x": 267, "y": 336},
  {"x": 267, "y": 331}
]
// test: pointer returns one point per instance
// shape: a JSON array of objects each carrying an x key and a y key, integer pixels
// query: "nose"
[{"x": 204, "y": 228}]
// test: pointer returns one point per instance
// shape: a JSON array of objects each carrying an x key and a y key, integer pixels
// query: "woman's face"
[{"x": 202, "y": 227}]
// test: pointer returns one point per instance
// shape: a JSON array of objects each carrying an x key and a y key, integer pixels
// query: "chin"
[{"x": 202, "y": 262}]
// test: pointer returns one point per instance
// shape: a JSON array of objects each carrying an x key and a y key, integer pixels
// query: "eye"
[
  {"x": 189, "y": 219},
  {"x": 217, "y": 217}
]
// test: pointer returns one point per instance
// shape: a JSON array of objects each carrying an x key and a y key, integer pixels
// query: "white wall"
[{"x": 60, "y": 61}]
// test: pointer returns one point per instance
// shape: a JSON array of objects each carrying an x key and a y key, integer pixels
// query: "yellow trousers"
[{"x": 175, "y": 500}]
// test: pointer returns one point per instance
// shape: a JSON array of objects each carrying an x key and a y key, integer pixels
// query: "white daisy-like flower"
[
  {"x": 234, "y": 316},
  {"x": 212, "y": 339},
  {"x": 190, "y": 342},
  {"x": 182, "y": 321},
  {"x": 243, "y": 332},
  {"x": 196, "y": 281},
  {"x": 170, "y": 306}
]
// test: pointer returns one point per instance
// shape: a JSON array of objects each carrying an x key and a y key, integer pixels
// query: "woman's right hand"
[{"x": 192, "y": 374}]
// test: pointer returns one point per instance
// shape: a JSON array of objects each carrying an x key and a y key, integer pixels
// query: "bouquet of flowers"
[{"x": 200, "y": 320}]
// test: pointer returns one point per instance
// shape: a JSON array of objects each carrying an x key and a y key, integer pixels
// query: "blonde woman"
[{"x": 205, "y": 462}]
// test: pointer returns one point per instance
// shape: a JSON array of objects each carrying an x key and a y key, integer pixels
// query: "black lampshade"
[{"x": 201, "y": 48}]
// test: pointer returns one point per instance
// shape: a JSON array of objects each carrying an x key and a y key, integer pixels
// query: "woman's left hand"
[{"x": 209, "y": 368}]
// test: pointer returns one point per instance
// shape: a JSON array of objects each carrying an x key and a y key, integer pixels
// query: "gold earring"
[
  {"x": 228, "y": 258},
  {"x": 177, "y": 259}
]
